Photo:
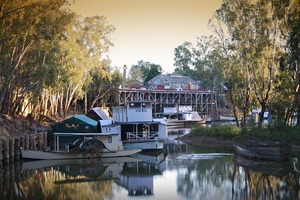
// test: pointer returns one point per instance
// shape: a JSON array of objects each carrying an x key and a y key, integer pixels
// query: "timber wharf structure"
[{"x": 205, "y": 102}]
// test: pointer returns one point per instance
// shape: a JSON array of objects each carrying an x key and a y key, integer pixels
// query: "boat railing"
[{"x": 141, "y": 135}]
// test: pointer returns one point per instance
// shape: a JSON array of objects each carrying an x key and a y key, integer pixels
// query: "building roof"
[{"x": 173, "y": 78}]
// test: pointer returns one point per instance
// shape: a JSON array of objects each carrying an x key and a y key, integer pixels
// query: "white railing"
[{"x": 141, "y": 135}]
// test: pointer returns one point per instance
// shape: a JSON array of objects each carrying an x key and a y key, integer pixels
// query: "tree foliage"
[
  {"x": 50, "y": 58},
  {"x": 254, "y": 45},
  {"x": 200, "y": 62},
  {"x": 143, "y": 71}
]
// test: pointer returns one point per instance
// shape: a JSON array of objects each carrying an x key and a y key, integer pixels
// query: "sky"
[{"x": 150, "y": 30}]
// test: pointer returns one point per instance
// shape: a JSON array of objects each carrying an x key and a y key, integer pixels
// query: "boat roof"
[
  {"x": 97, "y": 114},
  {"x": 85, "y": 134},
  {"x": 132, "y": 123},
  {"x": 80, "y": 119}
]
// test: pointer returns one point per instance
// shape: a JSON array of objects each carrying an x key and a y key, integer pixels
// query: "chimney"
[{"x": 124, "y": 72}]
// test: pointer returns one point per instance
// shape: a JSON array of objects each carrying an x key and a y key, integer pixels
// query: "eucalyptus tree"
[
  {"x": 135, "y": 75},
  {"x": 83, "y": 52},
  {"x": 255, "y": 37},
  {"x": 237, "y": 16},
  {"x": 205, "y": 63},
  {"x": 293, "y": 44},
  {"x": 183, "y": 57},
  {"x": 28, "y": 35},
  {"x": 149, "y": 70}
]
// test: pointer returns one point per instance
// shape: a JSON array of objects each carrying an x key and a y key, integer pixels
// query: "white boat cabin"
[
  {"x": 134, "y": 122},
  {"x": 133, "y": 111}
]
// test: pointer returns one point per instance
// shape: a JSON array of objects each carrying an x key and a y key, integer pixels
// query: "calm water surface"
[{"x": 180, "y": 172}]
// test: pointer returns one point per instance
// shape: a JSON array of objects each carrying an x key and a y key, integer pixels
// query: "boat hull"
[
  {"x": 184, "y": 122},
  {"x": 52, "y": 155},
  {"x": 144, "y": 144},
  {"x": 268, "y": 151}
]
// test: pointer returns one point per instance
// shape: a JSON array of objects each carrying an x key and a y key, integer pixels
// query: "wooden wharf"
[{"x": 205, "y": 102}]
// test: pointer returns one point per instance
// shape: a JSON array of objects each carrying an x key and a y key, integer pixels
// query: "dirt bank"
[{"x": 19, "y": 126}]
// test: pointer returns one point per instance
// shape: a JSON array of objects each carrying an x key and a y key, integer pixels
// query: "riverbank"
[
  {"x": 205, "y": 141},
  {"x": 218, "y": 141},
  {"x": 20, "y": 126}
]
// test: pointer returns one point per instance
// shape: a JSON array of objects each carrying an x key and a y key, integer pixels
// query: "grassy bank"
[{"x": 231, "y": 132}]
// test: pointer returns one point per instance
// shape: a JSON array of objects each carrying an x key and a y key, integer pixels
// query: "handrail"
[{"x": 141, "y": 135}]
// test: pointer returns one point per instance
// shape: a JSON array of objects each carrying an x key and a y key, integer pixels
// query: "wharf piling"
[{"x": 10, "y": 148}]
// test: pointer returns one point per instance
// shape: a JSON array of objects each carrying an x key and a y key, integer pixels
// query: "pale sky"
[{"x": 150, "y": 30}]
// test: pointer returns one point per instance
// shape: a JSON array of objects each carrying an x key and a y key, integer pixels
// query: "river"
[{"x": 180, "y": 172}]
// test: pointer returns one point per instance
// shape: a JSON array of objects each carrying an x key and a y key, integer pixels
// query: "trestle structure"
[{"x": 205, "y": 102}]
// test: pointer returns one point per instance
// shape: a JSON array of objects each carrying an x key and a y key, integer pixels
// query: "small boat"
[
  {"x": 227, "y": 118},
  {"x": 185, "y": 118},
  {"x": 85, "y": 145},
  {"x": 262, "y": 150}
]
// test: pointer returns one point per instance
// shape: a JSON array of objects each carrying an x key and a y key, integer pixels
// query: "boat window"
[
  {"x": 109, "y": 139},
  {"x": 146, "y": 105},
  {"x": 134, "y": 105}
]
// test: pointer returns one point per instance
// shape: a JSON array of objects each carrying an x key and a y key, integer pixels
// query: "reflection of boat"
[
  {"x": 86, "y": 145},
  {"x": 151, "y": 157},
  {"x": 262, "y": 150},
  {"x": 39, "y": 164},
  {"x": 137, "y": 178},
  {"x": 136, "y": 126},
  {"x": 82, "y": 170},
  {"x": 278, "y": 169}
]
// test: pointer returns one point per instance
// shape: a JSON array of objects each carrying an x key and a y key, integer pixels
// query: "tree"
[
  {"x": 135, "y": 75},
  {"x": 183, "y": 56},
  {"x": 255, "y": 42},
  {"x": 293, "y": 44},
  {"x": 149, "y": 70},
  {"x": 206, "y": 66},
  {"x": 83, "y": 63},
  {"x": 28, "y": 39}
]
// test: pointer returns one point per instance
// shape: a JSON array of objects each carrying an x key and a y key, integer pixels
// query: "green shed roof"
[
  {"x": 80, "y": 119},
  {"x": 76, "y": 124}
]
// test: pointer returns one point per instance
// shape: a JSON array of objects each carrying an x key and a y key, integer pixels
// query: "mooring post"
[
  {"x": 1, "y": 152},
  {"x": 5, "y": 143},
  {"x": 17, "y": 149},
  {"x": 26, "y": 145},
  {"x": 11, "y": 149},
  {"x": 40, "y": 141}
]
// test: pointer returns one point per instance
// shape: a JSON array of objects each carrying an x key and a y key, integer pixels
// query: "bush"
[
  {"x": 272, "y": 132},
  {"x": 226, "y": 132}
]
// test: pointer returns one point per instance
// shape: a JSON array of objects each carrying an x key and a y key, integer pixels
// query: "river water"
[{"x": 180, "y": 172}]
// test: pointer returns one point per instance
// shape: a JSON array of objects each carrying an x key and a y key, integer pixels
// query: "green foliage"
[
  {"x": 144, "y": 71},
  {"x": 46, "y": 52},
  {"x": 227, "y": 132},
  {"x": 183, "y": 56},
  {"x": 276, "y": 132}
]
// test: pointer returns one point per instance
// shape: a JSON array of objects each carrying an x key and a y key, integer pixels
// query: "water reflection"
[{"x": 186, "y": 172}]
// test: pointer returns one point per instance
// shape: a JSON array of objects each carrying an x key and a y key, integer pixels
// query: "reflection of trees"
[
  {"x": 220, "y": 178},
  {"x": 249, "y": 184},
  {"x": 42, "y": 184},
  {"x": 204, "y": 177}
]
